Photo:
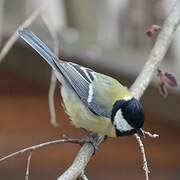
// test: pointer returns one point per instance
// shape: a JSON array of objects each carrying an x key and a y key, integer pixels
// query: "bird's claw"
[{"x": 91, "y": 140}]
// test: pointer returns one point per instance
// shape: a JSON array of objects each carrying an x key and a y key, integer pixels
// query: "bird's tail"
[{"x": 39, "y": 46}]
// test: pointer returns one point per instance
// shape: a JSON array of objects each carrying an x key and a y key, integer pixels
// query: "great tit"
[{"x": 93, "y": 101}]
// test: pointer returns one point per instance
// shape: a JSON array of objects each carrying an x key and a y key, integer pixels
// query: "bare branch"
[
  {"x": 158, "y": 52},
  {"x": 145, "y": 166},
  {"x": 150, "y": 135},
  {"x": 81, "y": 160},
  {"x": 42, "y": 145},
  {"x": 28, "y": 165},
  {"x": 51, "y": 98},
  {"x": 15, "y": 36}
]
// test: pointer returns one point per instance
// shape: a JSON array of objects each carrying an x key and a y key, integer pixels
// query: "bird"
[{"x": 93, "y": 101}]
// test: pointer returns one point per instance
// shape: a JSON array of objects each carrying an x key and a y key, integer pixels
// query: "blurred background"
[{"x": 110, "y": 37}]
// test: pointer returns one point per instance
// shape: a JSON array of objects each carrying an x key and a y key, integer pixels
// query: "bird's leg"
[{"x": 91, "y": 139}]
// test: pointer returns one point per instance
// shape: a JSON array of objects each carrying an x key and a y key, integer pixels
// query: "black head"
[{"x": 132, "y": 112}]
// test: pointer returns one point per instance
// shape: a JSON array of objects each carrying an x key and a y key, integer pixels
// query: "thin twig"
[
  {"x": 151, "y": 135},
  {"x": 10, "y": 42},
  {"x": 28, "y": 165},
  {"x": 51, "y": 98},
  {"x": 42, "y": 145},
  {"x": 145, "y": 166}
]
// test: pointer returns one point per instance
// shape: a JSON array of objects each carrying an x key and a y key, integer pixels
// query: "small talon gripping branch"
[{"x": 91, "y": 139}]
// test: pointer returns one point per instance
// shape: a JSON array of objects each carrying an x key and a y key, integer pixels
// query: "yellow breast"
[{"x": 82, "y": 116}]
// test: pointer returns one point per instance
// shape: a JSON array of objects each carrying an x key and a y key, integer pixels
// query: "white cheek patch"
[{"x": 120, "y": 123}]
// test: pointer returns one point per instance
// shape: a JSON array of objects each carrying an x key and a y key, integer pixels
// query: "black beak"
[{"x": 140, "y": 132}]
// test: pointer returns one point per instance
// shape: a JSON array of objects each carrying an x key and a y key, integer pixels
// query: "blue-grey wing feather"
[
  {"x": 38, "y": 45},
  {"x": 77, "y": 81},
  {"x": 98, "y": 109}
]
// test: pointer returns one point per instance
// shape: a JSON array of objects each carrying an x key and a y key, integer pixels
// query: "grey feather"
[
  {"x": 77, "y": 81},
  {"x": 39, "y": 46},
  {"x": 98, "y": 110}
]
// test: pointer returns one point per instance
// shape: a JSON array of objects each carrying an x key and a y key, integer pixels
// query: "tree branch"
[
  {"x": 51, "y": 98},
  {"x": 145, "y": 166},
  {"x": 156, "y": 56},
  {"x": 150, "y": 135},
  {"x": 42, "y": 145},
  {"x": 81, "y": 160},
  {"x": 28, "y": 165}
]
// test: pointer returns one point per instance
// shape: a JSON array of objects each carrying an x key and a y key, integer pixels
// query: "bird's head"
[{"x": 128, "y": 117}]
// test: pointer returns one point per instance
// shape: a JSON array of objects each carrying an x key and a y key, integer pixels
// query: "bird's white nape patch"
[
  {"x": 120, "y": 123},
  {"x": 127, "y": 98},
  {"x": 90, "y": 93}
]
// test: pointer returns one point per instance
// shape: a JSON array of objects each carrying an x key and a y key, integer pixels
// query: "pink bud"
[
  {"x": 164, "y": 80},
  {"x": 170, "y": 79},
  {"x": 153, "y": 30},
  {"x": 163, "y": 90}
]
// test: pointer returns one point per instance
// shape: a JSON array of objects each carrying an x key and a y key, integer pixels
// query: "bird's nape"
[{"x": 133, "y": 112}]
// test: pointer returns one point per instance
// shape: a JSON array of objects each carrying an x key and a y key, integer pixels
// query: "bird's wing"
[
  {"x": 78, "y": 77},
  {"x": 105, "y": 91},
  {"x": 97, "y": 91}
]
